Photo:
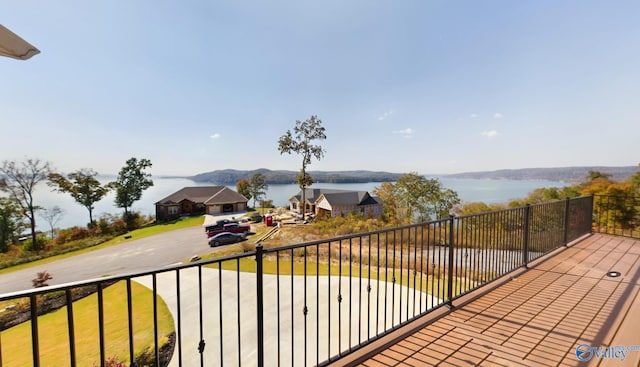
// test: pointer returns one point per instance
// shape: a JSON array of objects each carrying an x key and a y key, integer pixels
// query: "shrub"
[
  {"x": 72, "y": 234},
  {"x": 146, "y": 358},
  {"x": 41, "y": 279},
  {"x": 118, "y": 227},
  {"x": 40, "y": 239},
  {"x": 79, "y": 233},
  {"x": 112, "y": 362},
  {"x": 104, "y": 226}
]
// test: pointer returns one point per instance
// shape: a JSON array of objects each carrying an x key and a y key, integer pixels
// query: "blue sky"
[{"x": 427, "y": 86}]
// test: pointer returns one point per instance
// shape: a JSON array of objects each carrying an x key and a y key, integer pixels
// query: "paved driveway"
[
  {"x": 136, "y": 255},
  {"x": 229, "y": 324}
]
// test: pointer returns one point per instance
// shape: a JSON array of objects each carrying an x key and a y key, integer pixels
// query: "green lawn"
[
  {"x": 429, "y": 284},
  {"x": 53, "y": 334}
]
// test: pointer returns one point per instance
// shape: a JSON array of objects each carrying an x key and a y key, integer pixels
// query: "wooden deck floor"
[{"x": 538, "y": 318}]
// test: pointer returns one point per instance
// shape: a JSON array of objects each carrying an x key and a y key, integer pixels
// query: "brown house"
[
  {"x": 334, "y": 203},
  {"x": 200, "y": 200}
]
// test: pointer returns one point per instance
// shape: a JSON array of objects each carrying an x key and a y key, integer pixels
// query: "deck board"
[{"x": 540, "y": 316}]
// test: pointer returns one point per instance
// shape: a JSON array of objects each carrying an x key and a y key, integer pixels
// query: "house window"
[
  {"x": 294, "y": 206},
  {"x": 173, "y": 210}
]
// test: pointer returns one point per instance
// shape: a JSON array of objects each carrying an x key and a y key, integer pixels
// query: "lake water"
[{"x": 488, "y": 191}]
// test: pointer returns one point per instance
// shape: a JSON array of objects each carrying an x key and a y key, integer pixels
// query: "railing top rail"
[
  {"x": 465, "y": 216},
  {"x": 563, "y": 200},
  {"x": 522, "y": 207},
  {"x": 618, "y": 196}
]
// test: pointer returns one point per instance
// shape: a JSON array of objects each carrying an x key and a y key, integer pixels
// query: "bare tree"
[
  {"x": 19, "y": 181},
  {"x": 52, "y": 216}
]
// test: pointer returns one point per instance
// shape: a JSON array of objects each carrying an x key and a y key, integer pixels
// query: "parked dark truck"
[
  {"x": 229, "y": 227},
  {"x": 218, "y": 225}
]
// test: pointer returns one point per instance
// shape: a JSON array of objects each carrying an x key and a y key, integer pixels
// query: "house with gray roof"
[
  {"x": 200, "y": 200},
  {"x": 334, "y": 203}
]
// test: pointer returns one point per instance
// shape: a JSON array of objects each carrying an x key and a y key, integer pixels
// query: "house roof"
[
  {"x": 226, "y": 195},
  {"x": 312, "y": 195},
  {"x": 350, "y": 198},
  {"x": 338, "y": 197},
  {"x": 204, "y": 195}
]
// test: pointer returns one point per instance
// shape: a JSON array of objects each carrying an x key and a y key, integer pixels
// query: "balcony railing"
[
  {"x": 304, "y": 304},
  {"x": 617, "y": 215}
]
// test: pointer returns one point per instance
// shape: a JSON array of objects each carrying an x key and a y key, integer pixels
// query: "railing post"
[
  {"x": 260, "y": 305},
  {"x": 525, "y": 247},
  {"x": 450, "y": 266},
  {"x": 593, "y": 214},
  {"x": 35, "y": 347},
  {"x": 565, "y": 238}
]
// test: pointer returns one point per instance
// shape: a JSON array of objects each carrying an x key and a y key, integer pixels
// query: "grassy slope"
[
  {"x": 429, "y": 284},
  {"x": 53, "y": 334}
]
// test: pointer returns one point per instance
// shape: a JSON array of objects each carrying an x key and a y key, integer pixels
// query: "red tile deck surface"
[{"x": 540, "y": 316}]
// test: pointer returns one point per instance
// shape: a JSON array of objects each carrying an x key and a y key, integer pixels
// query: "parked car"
[
  {"x": 226, "y": 238},
  {"x": 230, "y": 227}
]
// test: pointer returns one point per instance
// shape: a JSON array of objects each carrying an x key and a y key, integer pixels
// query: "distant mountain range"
[
  {"x": 231, "y": 176},
  {"x": 565, "y": 174}
]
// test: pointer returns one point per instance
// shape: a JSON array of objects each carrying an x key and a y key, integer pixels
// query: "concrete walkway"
[{"x": 231, "y": 340}]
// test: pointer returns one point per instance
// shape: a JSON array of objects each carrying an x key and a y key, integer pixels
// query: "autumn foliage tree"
[
  {"x": 301, "y": 141},
  {"x": 416, "y": 198},
  {"x": 83, "y": 187},
  {"x": 244, "y": 188},
  {"x": 10, "y": 223},
  {"x": 131, "y": 182}
]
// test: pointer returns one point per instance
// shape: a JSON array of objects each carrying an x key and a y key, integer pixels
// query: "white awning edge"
[{"x": 11, "y": 45}]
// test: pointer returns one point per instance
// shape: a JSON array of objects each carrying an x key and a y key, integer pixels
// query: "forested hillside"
[
  {"x": 230, "y": 176},
  {"x": 567, "y": 174}
]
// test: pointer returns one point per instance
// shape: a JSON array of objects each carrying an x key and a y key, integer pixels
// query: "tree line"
[
  {"x": 230, "y": 176},
  {"x": 18, "y": 180},
  {"x": 595, "y": 183}
]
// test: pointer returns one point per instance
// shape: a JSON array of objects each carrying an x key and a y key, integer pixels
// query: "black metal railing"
[
  {"x": 617, "y": 215},
  {"x": 298, "y": 305}
]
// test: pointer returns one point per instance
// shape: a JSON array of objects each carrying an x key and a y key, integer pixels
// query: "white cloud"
[
  {"x": 215, "y": 136},
  {"x": 385, "y": 115},
  {"x": 406, "y": 133},
  {"x": 489, "y": 134},
  {"x": 473, "y": 115},
  {"x": 498, "y": 115}
]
